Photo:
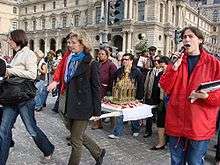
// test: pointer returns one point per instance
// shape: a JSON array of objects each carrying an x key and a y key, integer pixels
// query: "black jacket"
[
  {"x": 137, "y": 76},
  {"x": 83, "y": 91}
]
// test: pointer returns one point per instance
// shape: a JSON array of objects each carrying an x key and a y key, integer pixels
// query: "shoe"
[
  {"x": 12, "y": 143},
  {"x": 146, "y": 135},
  {"x": 107, "y": 120},
  {"x": 112, "y": 136},
  {"x": 100, "y": 159},
  {"x": 135, "y": 134},
  {"x": 158, "y": 148},
  {"x": 68, "y": 138},
  {"x": 46, "y": 159},
  {"x": 38, "y": 109}
]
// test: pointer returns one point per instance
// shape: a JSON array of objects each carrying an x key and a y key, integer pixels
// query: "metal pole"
[
  {"x": 198, "y": 14},
  {"x": 105, "y": 33}
]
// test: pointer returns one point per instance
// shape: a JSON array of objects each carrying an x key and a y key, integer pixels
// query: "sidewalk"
[{"x": 125, "y": 151}]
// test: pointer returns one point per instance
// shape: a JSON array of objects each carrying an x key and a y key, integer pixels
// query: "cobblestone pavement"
[{"x": 124, "y": 151}]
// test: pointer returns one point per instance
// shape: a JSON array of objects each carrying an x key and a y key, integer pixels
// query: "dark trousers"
[
  {"x": 149, "y": 121},
  {"x": 78, "y": 139}
]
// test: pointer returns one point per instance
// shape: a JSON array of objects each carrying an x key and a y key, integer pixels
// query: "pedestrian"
[
  {"x": 24, "y": 65},
  {"x": 136, "y": 75},
  {"x": 78, "y": 77},
  {"x": 40, "y": 80},
  {"x": 161, "y": 110},
  {"x": 152, "y": 93},
  {"x": 107, "y": 69},
  {"x": 191, "y": 114}
]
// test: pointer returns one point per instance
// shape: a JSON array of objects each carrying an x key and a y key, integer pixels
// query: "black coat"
[
  {"x": 83, "y": 91},
  {"x": 136, "y": 75}
]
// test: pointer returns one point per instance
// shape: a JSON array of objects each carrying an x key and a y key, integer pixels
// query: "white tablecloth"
[{"x": 141, "y": 111}]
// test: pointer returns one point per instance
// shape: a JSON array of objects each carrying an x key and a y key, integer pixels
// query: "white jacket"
[{"x": 24, "y": 64}]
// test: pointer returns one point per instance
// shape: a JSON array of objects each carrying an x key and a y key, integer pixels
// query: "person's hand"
[
  {"x": 95, "y": 118},
  {"x": 52, "y": 86},
  {"x": 177, "y": 62},
  {"x": 198, "y": 95}
]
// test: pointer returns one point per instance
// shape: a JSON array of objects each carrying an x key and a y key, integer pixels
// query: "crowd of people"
[{"x": 185, "y": 117}]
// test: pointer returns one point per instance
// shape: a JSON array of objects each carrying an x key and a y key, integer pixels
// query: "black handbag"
[{"x": 16, "y": 90}]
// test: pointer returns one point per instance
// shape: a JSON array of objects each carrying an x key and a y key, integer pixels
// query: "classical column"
[
  {"x": 93, "y": 16},
  {"x": 130, "y": 9},
  {"x": 47, "y": 45},
  {"x": 36, "y": 44},
  {"x": 124, "y": 42},
  {"x": 126, "y": 9},
  {"x": 129, "y": 42},
  {"x": 145, "y": 11}
]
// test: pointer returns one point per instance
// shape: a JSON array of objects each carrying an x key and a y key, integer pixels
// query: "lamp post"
[{"x": 105, "y": 31}]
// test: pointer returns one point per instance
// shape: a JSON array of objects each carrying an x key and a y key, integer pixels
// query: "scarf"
[{"x": 76, "y": 57}]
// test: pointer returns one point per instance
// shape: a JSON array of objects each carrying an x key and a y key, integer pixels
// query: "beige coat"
[{"x": 24, "y": 64}]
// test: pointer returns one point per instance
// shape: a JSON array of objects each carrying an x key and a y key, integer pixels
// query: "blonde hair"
[{"x": 83, "y": 39}]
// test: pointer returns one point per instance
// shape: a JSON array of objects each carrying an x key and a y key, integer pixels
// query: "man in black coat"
[{"x": 135, "y": 74}]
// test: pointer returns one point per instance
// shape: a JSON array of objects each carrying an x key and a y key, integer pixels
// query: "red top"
[
  {"x": 60, "y": 71},
  {"x": 196, "y": 120}
]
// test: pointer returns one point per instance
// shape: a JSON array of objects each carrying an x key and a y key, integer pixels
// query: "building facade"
[
  {"x": 47, "y": 23},
  {"x": 9, "y": 20}
]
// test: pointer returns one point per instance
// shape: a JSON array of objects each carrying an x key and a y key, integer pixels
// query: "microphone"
[{"x": 182, "y": 49}]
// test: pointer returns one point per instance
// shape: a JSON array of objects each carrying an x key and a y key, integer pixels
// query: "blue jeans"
[
  {"x": 26, "y": 111},
  {"x": 119, "y": 126},
  {"x": 194, "y": 153},
  {"x": 40, "y": 94}
]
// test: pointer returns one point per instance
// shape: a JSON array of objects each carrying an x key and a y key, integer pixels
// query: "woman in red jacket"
[
  {"x": 78, "y": 77},
  {"x": 191, "y": 115}
]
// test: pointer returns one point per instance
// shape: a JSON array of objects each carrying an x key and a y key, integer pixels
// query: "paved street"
[{"x": 125, "y": 151}]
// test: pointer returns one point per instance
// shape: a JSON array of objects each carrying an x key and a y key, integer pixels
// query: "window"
[
  {"x": 34, "y": 25},
  {"x": 64, "y": 3},
  {"x": 26, "y": 10},
  {"x": 77, "y": 2},
  {"x": 25, "y": 26},
  {"x": 44, "y": 7},
  {"x": 141, "y": 6},
  {"x": 14, "y": 25},
  {"x": 215, "y": 15},
  {"x": 54, "y": 5},
  {"x": 53, "y": 23},
  {"x": 98, "y": 15},
  {"x": 64, "y": 21},
  {"x": 76, "y": 22},
  {"x": 173, "y": 15},
  {"x": 161, "y": 12},
  {"x": 43, "y": 23},
  {"x": 35, "y": 8},
  {"x": 15, "y": 10}
]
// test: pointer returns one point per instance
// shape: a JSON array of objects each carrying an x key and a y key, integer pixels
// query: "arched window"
[{"x": 15, "y": 10}]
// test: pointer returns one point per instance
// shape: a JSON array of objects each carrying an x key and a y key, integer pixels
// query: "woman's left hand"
[{"x": 198, "y": 95}]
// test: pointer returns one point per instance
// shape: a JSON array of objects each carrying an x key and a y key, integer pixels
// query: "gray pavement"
[{"x": 124, "y": 151}]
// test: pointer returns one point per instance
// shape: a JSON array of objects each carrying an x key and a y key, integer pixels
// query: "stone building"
[
  {"x": 9, "y": 20},
  {"x": 47, "y": 23}
]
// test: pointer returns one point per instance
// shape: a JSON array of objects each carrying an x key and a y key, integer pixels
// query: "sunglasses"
[{"x": 125, "y": 59}]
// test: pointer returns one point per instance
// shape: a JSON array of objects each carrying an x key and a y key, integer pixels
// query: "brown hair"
[
  {"x": 196, "y": 31},
  {"x": 19, "y": 37}
]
